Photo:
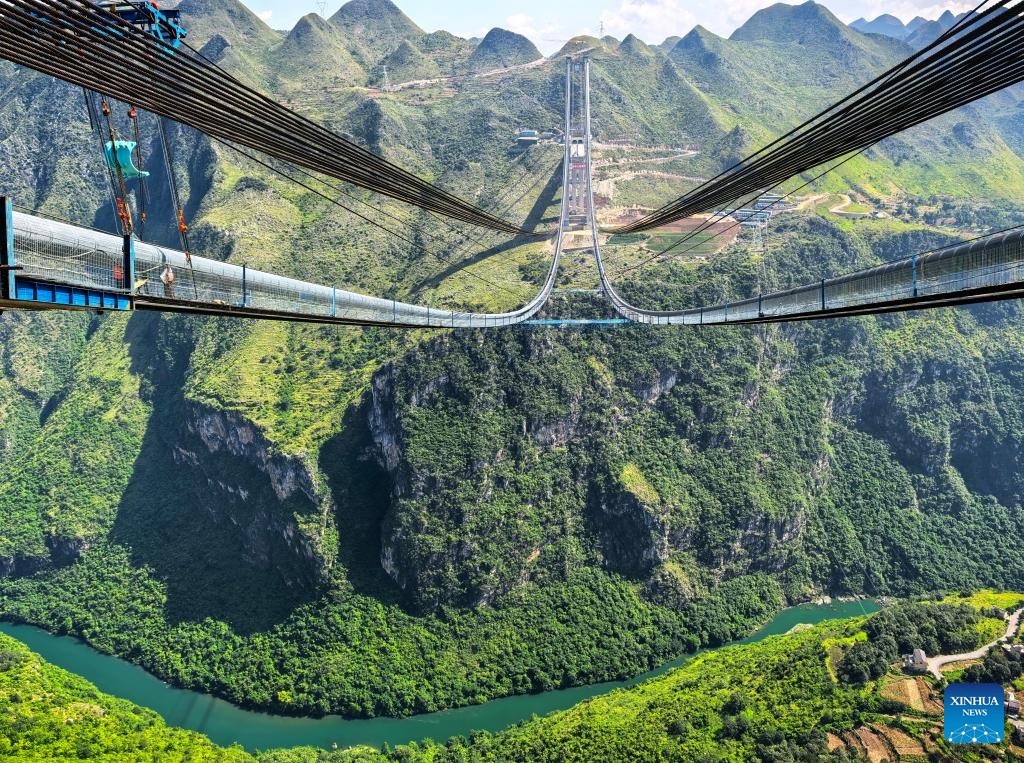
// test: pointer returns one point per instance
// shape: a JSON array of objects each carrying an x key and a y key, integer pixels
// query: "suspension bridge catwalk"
[
  {"x": 47, "y": 264},
  {"x": 980, "y": 271}
]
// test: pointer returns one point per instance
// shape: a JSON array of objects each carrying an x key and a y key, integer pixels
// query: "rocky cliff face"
[
  {"x": 635, "y": 535},
  {"x": 270, "y": 500},
  {"x": 515, "y": 458},
  {"x": 508, "y": 463},
  {"x": 221, "y": 463}
]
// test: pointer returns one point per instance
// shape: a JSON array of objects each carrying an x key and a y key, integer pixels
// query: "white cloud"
[
  {"x": 651, "y": 20},
  {"x": 265, "y": 15},
  {"x": 654, "y": 20},
  {"x": 526, "y": 25}
]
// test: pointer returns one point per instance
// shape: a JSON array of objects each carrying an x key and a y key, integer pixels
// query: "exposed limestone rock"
[{"x": 264, "y": 495}]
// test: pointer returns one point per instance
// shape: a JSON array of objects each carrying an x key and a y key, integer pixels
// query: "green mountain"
[
  {"x": 446, "y": 50},
  {"x": 314, "y": 50},
  {"x": 227, "y": 32},
  {"x": 760, "y": 88},
  {"x": 917, "y": 34},
  {"x": 500, "y": 49},
  {"x": 886, "y": 24},
  {"x": 787, "y": 698},
  {"x": 433, "y": 519},
  {"x": 373, "y": 29},
  {"x": 230, "y": 19},
  {"x": 408, "y": 63},
  {"x": 580, "y": 44},
  {"x": 632, "y": 45}
]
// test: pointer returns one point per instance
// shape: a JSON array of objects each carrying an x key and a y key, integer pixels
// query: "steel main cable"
[
  {"x": 722, "y": 215},
  {"x": 214, "y": 64},
  {"x": 692, "y": 234},
  {"x": 81, "y": 43},
  {"x": 952, "y": 31},
  {"x": 217, "y": 66},
  {"x": 885, "y": 76},
  {"x": 157, "y": 88},
  {"x": 467, "y": 243},
  {"x": 449, "y": 259},
  {"x": 227, "y": 74},
  {"x": 374, "y": 223},
  {"x": 361, "y": 202},
  {"x": 762, "y": 181},
  {"x": 961, "y": 73}
]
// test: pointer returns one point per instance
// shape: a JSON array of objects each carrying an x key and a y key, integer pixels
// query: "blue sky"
[{"x": 548, "y": 23}]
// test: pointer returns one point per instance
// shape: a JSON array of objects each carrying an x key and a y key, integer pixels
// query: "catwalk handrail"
[
  {"x": 65, "y": 254},
  {"x": 985, "y": 269},
  {"x": 60, "y": 253},
  {"x": 161, "y": 278}
]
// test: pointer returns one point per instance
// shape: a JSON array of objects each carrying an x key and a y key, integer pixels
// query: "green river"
[{"x": 227, "y": 724}]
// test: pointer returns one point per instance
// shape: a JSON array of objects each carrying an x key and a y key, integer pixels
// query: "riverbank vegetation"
[
  {"x": 48, "y": 714},
  {"x": 776, "y": 700},
  {"x": 554, "y": 544},
  {"x": 312, "y": 519},
  {"x": 594, "y": 627},
  {"x": 933, "y": 628}
]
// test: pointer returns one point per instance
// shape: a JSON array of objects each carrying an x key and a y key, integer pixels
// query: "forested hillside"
[{"x": 363, "y": 521}]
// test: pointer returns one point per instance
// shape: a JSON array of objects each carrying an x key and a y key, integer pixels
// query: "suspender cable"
[
  {"x": 123, "y": 210},
  {"x": 133, "y": 115},
  {"x": 173, "y": 183},
  {"x": 111, "y": 183},
  {"x": 175, "y": 195}
]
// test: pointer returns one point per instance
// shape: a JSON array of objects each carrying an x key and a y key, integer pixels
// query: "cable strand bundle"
[
  {"x": 81, "y": 43},
  {"x": 982, "y": 57}
]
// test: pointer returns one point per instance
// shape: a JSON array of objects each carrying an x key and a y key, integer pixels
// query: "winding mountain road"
[{"x": 935, "y": 663}]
